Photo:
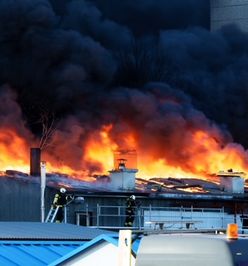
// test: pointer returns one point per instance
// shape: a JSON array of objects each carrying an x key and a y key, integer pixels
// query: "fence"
[{"x": 171, "y": 217}]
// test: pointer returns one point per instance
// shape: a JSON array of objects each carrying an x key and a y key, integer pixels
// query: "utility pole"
[{"x": 42, "y": 189}]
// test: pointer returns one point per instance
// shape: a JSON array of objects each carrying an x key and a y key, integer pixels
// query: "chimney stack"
[{"x": 35, "y": 161}]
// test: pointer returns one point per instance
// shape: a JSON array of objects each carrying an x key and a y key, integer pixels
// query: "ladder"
[{"x": 52, "y": 214}]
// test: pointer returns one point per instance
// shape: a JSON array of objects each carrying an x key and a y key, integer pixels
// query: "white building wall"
[
  {"x": 238, "y": 185},
  {"x": 232, "y": 184},
  {"x": 104, "y": 254},
  {"x": 225, "y": 12},
  {"x": 123, "y": 180}
]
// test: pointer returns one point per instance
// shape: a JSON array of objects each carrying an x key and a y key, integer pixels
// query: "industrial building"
[
  {"x": 106, "y": 209},
  {"x": 162, "y": 205},
  {"x": 160, "y": 202}
]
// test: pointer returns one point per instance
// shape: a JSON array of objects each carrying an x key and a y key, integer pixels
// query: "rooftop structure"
[
  {"x": 232, "y": 182},
  {"x": 122, "y": 178}
]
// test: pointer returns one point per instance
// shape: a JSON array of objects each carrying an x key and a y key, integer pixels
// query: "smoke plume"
[{"x": 124, "y": 76}]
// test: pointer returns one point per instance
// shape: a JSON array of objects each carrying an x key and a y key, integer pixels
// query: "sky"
[{"x": 150, "y": 67}]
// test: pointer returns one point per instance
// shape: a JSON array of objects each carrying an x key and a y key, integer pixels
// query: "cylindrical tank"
[{"x": 224, "y": 12}]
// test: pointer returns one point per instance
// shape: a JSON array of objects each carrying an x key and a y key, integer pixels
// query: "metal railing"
[{"x": 113, "y": 216}]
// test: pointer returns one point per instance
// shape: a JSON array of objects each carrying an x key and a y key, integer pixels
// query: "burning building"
[
  {"x": 107, "y": 208},
  {"x": 99, "y": 107},
  {"x": 160, "y": 98},
  {"x": 175, "y": 143}
]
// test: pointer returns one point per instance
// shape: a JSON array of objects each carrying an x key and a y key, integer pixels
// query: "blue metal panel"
[
  {"x": 47, "y": 231},
  {"x": 135, "y": 245},
  {"x": 111, "y": 239},
  {"x": 6, "y": 261},
  {"x": 84, "y": 247},
  {"x": 34, "y": 253}
]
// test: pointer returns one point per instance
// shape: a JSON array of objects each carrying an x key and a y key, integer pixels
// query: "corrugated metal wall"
[{"x": 20, "y": 201}]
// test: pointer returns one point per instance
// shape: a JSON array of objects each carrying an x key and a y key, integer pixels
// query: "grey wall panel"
[
  {"x": 19, "y": 200},
  {"x": 230, "y": 13},
  {"x": 224, "y": 12},
  {"x": 221, "y": 3}
]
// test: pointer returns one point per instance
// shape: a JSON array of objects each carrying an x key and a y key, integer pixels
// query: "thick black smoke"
[
  {"x": 212, "y": 69},
  {"x": 79, "y": 58},
  {"x": 149, "y": 17},
  {"x": 49, "y": 67}
]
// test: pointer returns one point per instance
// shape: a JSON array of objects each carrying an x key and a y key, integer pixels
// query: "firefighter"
[
  {"x": 60, "y": 200},
  {"x": 130, "y": 211}
]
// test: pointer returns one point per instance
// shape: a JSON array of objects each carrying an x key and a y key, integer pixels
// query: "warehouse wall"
[{"x": 20, "y": 201}]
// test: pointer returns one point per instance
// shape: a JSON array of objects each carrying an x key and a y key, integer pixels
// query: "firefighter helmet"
[{"x": 62, "y": 190}]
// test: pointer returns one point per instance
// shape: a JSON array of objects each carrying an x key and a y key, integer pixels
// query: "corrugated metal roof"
[
  {"x": 47, "y": 231},
  {"x": 111, "y": 239},
  {"x": 34, "y": 253},
  {"x": 85, "y": 247}
]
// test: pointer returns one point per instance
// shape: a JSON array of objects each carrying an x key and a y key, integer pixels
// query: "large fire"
[
  {"x": 14, "y": 152},
  {"x": 166, "y": 145},
  {"x": 205, "y": 156}
]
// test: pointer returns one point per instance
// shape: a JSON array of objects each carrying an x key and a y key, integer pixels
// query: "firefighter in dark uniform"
[
  {"x": 130, "y": 211},
  {"x": 60, "y": 200}
]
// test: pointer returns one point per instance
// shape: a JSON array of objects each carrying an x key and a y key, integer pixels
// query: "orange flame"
[
  {"x": 100, "y": 148},
  {"x": 14, "y": 151},
  {"x": 205, "y": 156}
]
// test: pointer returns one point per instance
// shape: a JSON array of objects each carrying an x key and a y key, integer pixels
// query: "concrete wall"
[{"x": 224, "y": 12}]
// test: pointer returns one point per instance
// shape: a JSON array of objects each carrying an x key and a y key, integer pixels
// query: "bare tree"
[{"x": 48, "y": 123}]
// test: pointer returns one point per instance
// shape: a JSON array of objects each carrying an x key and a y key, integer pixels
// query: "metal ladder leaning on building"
[{"x": 52, "y": 214}]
